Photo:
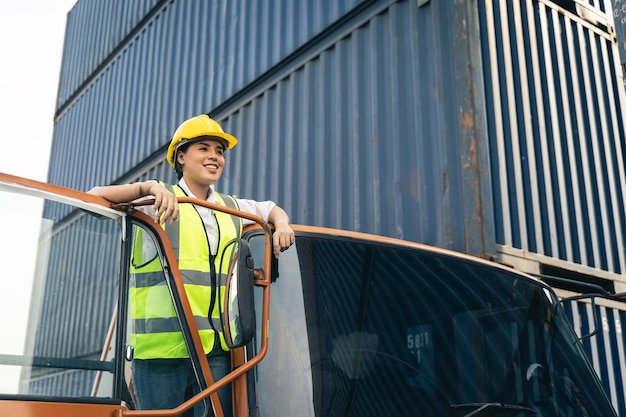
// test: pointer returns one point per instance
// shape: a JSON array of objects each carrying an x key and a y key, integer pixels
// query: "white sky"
[{"x": 31, "y": 48}]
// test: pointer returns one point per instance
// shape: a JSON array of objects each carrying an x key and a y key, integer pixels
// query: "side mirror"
[{"x": 238, "y": 317}]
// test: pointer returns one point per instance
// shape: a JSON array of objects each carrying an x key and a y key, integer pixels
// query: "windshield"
[
  {"x": 60, "y": 270},
  {"x": 365, "y": 329}
]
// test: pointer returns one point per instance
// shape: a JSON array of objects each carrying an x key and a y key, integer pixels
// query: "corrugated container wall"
[
  {"x": 556, "y": 98},
  {"x": 373, "y": 116},
  {"x": 494, "y": 128},
  {"x": 348, "y": 113}
]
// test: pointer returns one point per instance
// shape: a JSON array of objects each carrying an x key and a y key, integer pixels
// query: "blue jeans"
[{"x": 167, "y": 383}]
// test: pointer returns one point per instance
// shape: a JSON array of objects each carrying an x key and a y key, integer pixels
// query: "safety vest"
[{"x": 155, "y": 331}]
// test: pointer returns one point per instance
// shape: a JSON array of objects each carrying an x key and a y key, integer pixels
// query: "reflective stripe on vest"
[{"x": 155, "y": 327}]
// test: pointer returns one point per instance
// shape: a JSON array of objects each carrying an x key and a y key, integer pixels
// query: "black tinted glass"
[{"x": 393, "y": 331}]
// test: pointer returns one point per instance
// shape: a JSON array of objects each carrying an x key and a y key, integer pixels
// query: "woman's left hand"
[{"x": 282, "y": 238}]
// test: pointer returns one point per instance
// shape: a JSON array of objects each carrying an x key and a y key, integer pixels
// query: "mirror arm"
[
  {"x": 592, "y": 299},
  {"x": 259, "y": 277}
]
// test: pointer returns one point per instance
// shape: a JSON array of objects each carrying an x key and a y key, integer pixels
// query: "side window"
[
  {"x": 60, "y": 284},
  {"x": 158, "y": 370},
  {"x": 285, "y": 368}
]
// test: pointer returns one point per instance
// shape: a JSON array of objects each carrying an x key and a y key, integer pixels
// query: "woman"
[{"x": 162, "y": 372}]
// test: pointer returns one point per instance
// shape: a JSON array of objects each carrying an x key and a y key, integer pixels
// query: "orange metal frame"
[
  {"x": 239, "y": 371},
  {"x": 237, "y": 376}
]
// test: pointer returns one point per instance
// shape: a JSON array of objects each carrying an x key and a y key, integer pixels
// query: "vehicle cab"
[{"x": 360, "y": 324}]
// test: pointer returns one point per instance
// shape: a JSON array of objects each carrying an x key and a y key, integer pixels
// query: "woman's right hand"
[{"x": 165, "y": 203}]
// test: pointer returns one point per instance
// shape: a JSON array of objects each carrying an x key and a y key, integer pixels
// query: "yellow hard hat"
[{"x": 197, "y": 127}]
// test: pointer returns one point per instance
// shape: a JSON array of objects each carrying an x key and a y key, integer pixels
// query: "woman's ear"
[{"x": 180, "y": 157}]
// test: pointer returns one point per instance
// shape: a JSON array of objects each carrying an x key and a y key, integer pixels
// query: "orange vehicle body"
[{"x": 389, "y": 323}]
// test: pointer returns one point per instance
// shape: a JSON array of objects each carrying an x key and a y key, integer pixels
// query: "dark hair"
[{"x": 177, "y": 166}]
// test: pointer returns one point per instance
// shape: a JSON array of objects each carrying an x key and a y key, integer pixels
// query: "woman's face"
[{"x": 203, "y": 161}]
